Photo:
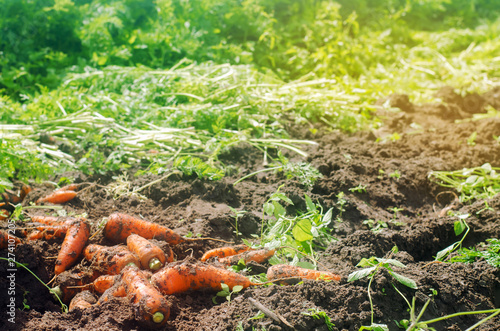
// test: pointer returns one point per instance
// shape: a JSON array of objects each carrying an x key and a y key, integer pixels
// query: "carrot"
[
  {"x": 224, "y": 251},
  {"x": 58, "y": 197},
  {"x": 48, "y": 232},
  {"x": 82, "y": 300},
  {"x": 110, "y": 260},
  {"x": 104, "y": 282},
  {"x": 151, "y": 308},
  {"x": 69, "y": 283},
  {"x": 188, "y": 276},
  {"x": 4, "y": 214},
  {"x": 259, "y": 256},
  {"x": 50, "y": 220},
  {"x": 286, "y": 271},
  {"x": 70, "y": 187},
  {"x": 11, "y": 197},
  {"x": 150, "y": 255},
  {"x": 115, "y": 291},
  {"x": 7, "y": 239},
  {"x": 120, "y": 226},
  {"x": 76, "y": 237}
]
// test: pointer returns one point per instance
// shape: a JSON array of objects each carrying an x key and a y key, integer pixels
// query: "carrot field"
[{"x": 250, "y": 165}]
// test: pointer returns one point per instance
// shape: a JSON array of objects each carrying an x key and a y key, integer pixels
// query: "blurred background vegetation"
[
  {"x": 106, "y": 85},
  {"x": 42, "y": 40}
]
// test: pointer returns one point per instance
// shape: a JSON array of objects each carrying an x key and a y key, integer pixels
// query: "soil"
[{"x": 430, "y": 139}]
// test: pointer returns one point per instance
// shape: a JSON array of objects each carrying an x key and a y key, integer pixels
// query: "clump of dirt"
[{"x": 368, "y": 180}]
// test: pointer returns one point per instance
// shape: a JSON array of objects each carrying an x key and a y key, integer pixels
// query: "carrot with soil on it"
[
  {"x": 151, "y": 308},
  {"x": 188, "y": 276},
  {"x": 82, "y": 300},
  {"x": 69, "y": 283},
  {"x": 7, "y": 239},
  {"x": 289, "y": 271},
  {"x": 48, "y": 232},
  {"x": 110, "y": 260},
  {"x": 58, "y": 197},
  {"x": 120, "y": 226},
  {"x": 222, "y": 252},
  {"x": 259, "y": 256},
  {"x": 4, "y": 214},
  {"x": 75, "y": 240},
  {"x": 150, "y": 255}
]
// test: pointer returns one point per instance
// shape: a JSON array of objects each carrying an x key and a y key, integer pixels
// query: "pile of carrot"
[{"x": 140, "y": 271}]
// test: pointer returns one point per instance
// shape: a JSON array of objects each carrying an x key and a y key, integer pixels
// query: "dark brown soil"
[{"x": 190, "y": 205}]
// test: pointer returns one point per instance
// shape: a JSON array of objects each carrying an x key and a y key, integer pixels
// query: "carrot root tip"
[
  {"x": 155, "y": 264},
  {"x": 158, "y": 317}
]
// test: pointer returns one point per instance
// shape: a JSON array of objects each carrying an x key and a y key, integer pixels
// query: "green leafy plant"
[
  {"x": 472, "y": 183},
  {"x": 371, "y": 267},
  {"x": 375, "y": 226},
  {"x": 489, "y": 251},
  {"x": 296, "y": 236},
  {"x": 459, "y": 227},
  {"x": 225, "y": 292},
  {"x": 395, "y": 174},
  {"x": 319, "y": 314},
  {"x": 190, "y": 165},
  {"x": 360, "y": 189}
]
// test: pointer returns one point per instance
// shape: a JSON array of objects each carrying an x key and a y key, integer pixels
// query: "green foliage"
[
  {"x": 319, "y": 314},
  {"x": 459, "y": 227},
  {"x": 21, "y": 161},
  {"x": 489, "y": 251},
  {"x": 226, "y": 292},
  {"x": 472, "y": 183},
  {"x": 296, "y": 236},
  {"x": 371, "y": 267},
  {"x": 190, "y": 165}
]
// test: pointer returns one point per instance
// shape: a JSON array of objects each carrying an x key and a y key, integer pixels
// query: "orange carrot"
[
  {"x": 70, "y": 187},
  {"x": 110, "y": 260},
  {"x": 58, "y": 197},
  {"x": 82, "y": 300},
  {"x": 188, "y": 276},
  {"x": 151, "y": 308},
  {"x": 50, "y": 220},
  {"x": 150, "y": 255},
  {"x": 4, "y": 214},
  {"x": 7, "y": 239},
  {"x": 259, "y": 256},
  {"x": 104, "y": 282},
  {"x": 224, "y": 251},
  {"x": 285, "y": 271},
  {"x": 69, "y": 283},
  {"x": 120, "y": 226},
  {"x": 11, "y": 197},
  {"x": 115, "y": 291},
  {"x": 76, "y": 237},
  {"x": 48, "y": 232}
]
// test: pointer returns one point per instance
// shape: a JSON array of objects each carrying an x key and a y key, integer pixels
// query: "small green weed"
[
  {"x": 371, "y": 267},
  {"x": 226, "y": 292},
  {"x": 459, "y": 226},
  {"x": 360, "y": 189},
  {"x": 319, "y": 314}
]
